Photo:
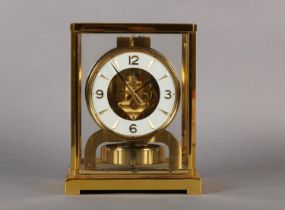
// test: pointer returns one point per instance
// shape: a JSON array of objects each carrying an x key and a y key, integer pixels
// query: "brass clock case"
[
  {"x": 102, "y": 61},
  {"x": 164, "y": 160}
]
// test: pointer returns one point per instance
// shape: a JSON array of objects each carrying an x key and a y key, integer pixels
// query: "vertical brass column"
[
  {"x": 189, "y": 99},
  {"x": 192, "y": 94},
  {"x": 76, "y": 73}
]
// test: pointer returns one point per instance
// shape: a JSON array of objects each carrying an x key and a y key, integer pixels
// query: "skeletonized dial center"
[{"x": 121, "y": 95}]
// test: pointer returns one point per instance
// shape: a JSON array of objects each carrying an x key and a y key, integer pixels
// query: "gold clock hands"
[
  {"x": 145, "y": 84},
  {"x": 136, "y": 97}
]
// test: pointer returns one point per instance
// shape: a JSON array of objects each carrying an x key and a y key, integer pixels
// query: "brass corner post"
[
  {"x": 192, "y": 94},
  {"x": 189, "y": 99},
  {"x": 76, "y": 72}
]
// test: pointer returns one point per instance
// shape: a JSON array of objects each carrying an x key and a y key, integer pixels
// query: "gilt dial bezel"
[{"x": 107, "y": 57}]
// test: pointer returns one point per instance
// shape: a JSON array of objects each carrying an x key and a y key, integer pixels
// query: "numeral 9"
[{"x": 99, "y": 94}]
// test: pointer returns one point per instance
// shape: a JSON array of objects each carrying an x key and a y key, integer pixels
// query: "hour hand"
[
  {"x": 145, "y": 84},
  {"x": 133, "y": 93}
]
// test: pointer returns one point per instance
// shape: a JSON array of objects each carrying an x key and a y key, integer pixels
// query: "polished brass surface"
[
  {"x": 75, "y": 102},
  {"x": 189, "y": 99},
  {"x": 101, "y": 136},
  {"x": 94, "y": 72},
  {"x": 192, "y": 185},
  {"x": 178, "y": 171},
  {"x": 141, "y": 41},
  {"x": 139, "y": 171},
  {"x": 137, "y": 154},
  {"x": 132, "y": 28}
]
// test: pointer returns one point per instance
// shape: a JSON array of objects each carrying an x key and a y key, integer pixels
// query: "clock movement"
[{"x": 133, "y": 108}]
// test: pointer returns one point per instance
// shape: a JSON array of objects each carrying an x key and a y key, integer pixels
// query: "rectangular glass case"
[{"x": 133, "y": 108}]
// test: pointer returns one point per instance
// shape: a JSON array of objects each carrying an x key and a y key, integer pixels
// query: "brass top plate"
[{"x": 132, "y": 28}]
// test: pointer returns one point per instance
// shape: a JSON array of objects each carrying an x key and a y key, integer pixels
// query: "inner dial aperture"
[{"x": 122, "y": 100}]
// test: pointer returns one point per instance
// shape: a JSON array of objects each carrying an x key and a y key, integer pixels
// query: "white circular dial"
[{"x": 140, "y": 108}]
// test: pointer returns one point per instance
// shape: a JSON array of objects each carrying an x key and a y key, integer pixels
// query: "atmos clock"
[{"x": 135, "y": 128}]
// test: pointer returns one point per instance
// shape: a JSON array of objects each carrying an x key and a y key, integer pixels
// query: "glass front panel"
[{"x": 131, "y": 104}]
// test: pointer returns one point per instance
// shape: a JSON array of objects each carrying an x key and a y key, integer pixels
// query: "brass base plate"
[
  {"x": 191, "y": 186},
  {"x": 125, "y": 154}
]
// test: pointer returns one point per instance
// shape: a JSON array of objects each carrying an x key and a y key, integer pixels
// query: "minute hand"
[
  {"x": 145, "y": 84},
  {"x": 136, "y": 97}
]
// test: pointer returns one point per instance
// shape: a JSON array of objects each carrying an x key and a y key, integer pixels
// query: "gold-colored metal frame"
[
  {"x": 103, "y": 60},
  {"x": 191, "y": 182}
]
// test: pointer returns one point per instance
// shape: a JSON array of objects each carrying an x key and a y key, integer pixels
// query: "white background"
[{"x": 241, "y": 100}]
